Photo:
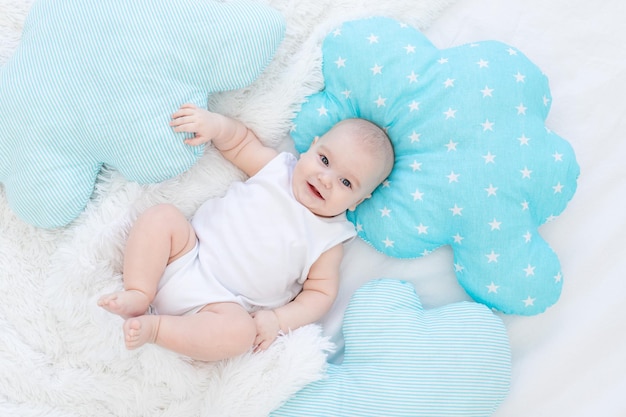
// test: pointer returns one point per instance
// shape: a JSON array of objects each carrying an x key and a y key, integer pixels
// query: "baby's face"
[{"x": 335, "y": 174}]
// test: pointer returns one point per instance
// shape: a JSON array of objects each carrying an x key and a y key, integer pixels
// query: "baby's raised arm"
[
  {"x": 318, "y": 294},
  {"x": 232, "y": 138}
]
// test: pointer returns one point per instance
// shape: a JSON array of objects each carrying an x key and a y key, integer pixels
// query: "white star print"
[
  {"x": 491, "y": 190},
  {"x": 456, "y": 210},
  {"x": 417, "y": 195},
  {"x": 386, "y": 184},
  {"x": 558, "y": 188},
  {"x": 417, "y": 166},
  {"x": 546, "y": 100},
  {"x": 451, "y": 145},
  {"x": 487, "y": 125},
  {"x": 359, "y": 227},
  {"x": 482, "y": 63},
  {"x": 346, "y": 93},
  {"x": 452, "y": 177},
  {"x": 492, "y": 257},
  {"x": 458, "y": 238},
  {"x": 458, "y": 268},
  {"x": 529, "y": 302},
  {"x": 376, "y": 69},
  {"x": 337, "y": 32},
  {"x": 341, "y": 62},
  {"x": 487, "y": 92},
  {"x": 449, "y": 82},
  {"x": 372, "y": 38},
  {"x": 550, "y": 218},
  {"x": 558, "y": 157},
  {"x": 492, "y": 288},
  {"x": 442, "y": 60},
  {"x": 524, "y": 205},
  {"x": 558, "y": 277},
  {"x": 523, "y": 140},
  {"x": 414, "y": 106},
  {"x": 511, "y": 51},
  {"x": 521, "y": 109},
  {"x": 415, "y": 137},
  {"x": 495, "y": 225},
  {"x": 489, "y": 158},
  {"x": 385, "y": 212},
  {"x": 450, "y": 113},
  {"x": 380, "y": 101},
  {"x": 527, "y": 236},
  {"x": 530, "y": 270},
  {"x": 323, "y": 111},
  {"x": 526, "y": 172},
  {"x": 520, "y": 78},
  {"x": 388, "y": 243},
  {"x": 421, "y": 229},
  {"x": 410, "y": 49},
  {"x": 412, "y": 77}
]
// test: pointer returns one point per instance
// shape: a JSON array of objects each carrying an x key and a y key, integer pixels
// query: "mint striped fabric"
[
  {"x": 401, "y": 360},
  {"x": 94, "y": 83}
]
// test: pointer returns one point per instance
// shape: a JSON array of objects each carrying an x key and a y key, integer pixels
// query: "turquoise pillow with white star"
[
  {"x": 96, "y": 84},
  {"x": 476, "y": 168}
]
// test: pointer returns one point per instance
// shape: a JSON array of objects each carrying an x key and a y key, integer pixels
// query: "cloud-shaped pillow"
[
  {"x": 475, "y": 168},
  {"x": 96, "y": 84},
  {"x": 401, "y": 360}
]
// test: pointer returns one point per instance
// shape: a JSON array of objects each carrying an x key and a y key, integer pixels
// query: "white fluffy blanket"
[{"x": 61, "y": 355}]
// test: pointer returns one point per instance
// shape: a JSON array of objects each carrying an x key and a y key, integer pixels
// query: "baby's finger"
[
  {"x": 195, "y": 141},
  {"x": 183, "y": 111}
]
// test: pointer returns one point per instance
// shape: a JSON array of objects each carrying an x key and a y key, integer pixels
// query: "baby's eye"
[
  {"x": 346, "y": 182},
  {"x": 324, "y": 159}
]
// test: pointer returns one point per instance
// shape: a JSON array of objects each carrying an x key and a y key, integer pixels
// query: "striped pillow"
[
  {"x": 93, "y": 84},
  {"x": 401, "y": 360}
]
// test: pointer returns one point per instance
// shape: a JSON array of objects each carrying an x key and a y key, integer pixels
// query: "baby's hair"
[{"x": 376, "y": 140}]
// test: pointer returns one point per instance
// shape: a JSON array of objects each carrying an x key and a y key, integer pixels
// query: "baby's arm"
[
  {"x": 317, "y": 297},
  {"x": 232, "y": 138}
]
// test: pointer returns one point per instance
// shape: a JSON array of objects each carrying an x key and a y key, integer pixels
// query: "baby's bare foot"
[
  {"x": 141, "y": 330},
  {"x": 130, "y": 303}
]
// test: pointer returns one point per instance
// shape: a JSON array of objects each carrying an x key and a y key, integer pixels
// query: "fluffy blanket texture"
[{"x": 61, "y": 355}]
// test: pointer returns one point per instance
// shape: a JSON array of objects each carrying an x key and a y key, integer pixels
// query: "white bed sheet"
[{"x": 571, "y": 360}]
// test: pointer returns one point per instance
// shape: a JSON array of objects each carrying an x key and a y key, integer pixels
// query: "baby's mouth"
[{"x": 314, "y": 191}]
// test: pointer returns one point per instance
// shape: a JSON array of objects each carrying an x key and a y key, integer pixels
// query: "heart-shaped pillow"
[
  {"x": 401, "y": 360},
  {"x": 96, "y": 84},
  {"x": 476, "y": 168}
]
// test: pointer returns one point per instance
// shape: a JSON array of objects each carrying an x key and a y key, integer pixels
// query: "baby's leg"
[
  {"x": 160, "y": 235},
  {"x": 218, "y": 331}
]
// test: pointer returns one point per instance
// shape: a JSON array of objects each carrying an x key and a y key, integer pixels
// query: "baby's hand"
[
  {"x": 267, "y": 329},
  {"x": 192, "y": 119}
]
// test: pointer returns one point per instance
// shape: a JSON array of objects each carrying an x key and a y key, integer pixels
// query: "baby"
[{"x": 263, "y": 259}]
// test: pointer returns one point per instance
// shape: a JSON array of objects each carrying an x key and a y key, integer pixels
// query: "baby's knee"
[
  {"x": 161, "y": 213},
  {"x": 164, "y": 217}
]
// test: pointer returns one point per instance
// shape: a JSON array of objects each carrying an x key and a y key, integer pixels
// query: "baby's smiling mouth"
[{"x": 314, "y": 191}]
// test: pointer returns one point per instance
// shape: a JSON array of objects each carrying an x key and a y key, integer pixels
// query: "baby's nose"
[{"x": 325, "y": 179}]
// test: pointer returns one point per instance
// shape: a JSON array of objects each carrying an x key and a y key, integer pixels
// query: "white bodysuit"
[{"x": 255, "y": 246}]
